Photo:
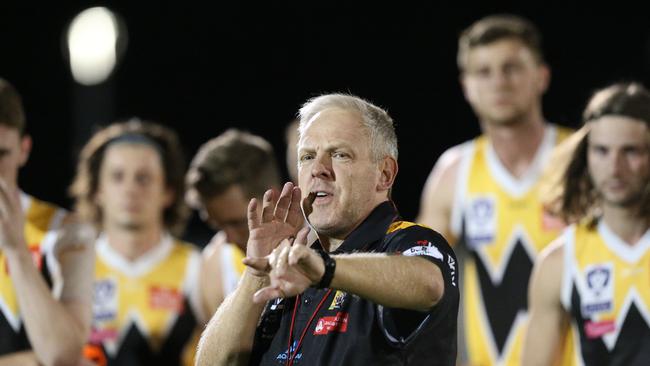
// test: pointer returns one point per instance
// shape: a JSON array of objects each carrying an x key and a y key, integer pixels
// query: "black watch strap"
[{"x": 330, "y": 266}]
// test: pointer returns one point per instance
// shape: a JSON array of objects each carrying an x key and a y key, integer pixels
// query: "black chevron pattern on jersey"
[
  {"x": 632, "y": 347},
  {"x": 503, "y": 301},
  {"x": 10, "y": 341},
  {"x": 135, "y": 349}
]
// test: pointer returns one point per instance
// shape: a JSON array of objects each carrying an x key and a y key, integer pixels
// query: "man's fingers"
[
  {"x": 301, "y": 237},
  {"x": 306, "y": 205},
  {"x": 267, "y": 294},
  {"x": 284, "y": 201},
  {"x": 268, "y": 205},
  {"x": 280, "y": 266},
  {"x": 297, "y": 253},
  {"x": 295, "y": 216},
  {"x": 253, "y": 219},
  {"x": 260, "y": 264}
]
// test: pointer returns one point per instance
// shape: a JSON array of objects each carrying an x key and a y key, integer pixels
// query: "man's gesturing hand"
[
  {"x": 293, "y": 268},
  {"x": 280, "y": 218}
]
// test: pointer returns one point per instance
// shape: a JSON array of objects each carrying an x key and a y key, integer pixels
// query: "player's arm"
[
  {"x": 437, "y": 197},
  {"x": 229, "y": 337},
  {"x": 548, "y": 319},
  {"x": 396, "y": 281},
  {"x": 56, "y": 328},
  {"x": 23, "y": 358},
  {"x": 381, "y": 278},
  {"x": 210, "y": 281}
]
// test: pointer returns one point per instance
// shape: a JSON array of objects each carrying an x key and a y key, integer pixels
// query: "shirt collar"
[{"x": 370, "y": 231}]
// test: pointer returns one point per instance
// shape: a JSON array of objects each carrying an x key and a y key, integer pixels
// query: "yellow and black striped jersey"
[
  {"x": 606, "y": 290},
  {"x": 42, "y": 219},
  {"x": 146, "y": 312},
  {"x": 503, "y": 225}
]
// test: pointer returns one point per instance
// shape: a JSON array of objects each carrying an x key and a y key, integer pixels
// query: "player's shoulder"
[
  {"x": 552, "y": 255},
  {"x": 186, "y": 247},
  {"x": 451, "y": 158},
  {"x": 407, "y": 233},
  {"x": 43, "y": 214}
]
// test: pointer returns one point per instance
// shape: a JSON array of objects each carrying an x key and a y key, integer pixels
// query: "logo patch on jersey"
[
  {"x": 285, "y": 355},
  {"x": 98, "y": 336},
  {"x": 327, "y": 324},
  {"x": 105, "y": 300},
  {"x": 598, "y": 329},
  {"x": 600, "y": 288},
  {"x": 429, "y": 251},
  {"x": 336, "y": 304},
  {"x": 452, "y": 269},
  {"x": 162, "y": 298},
  {"x": 277, "y": 304},
  {"x": 481, "y": 221}
]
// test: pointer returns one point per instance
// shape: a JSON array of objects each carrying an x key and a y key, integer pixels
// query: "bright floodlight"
[{"x": 92, "y": 39}]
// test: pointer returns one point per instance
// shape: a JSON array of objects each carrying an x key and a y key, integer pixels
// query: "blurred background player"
[
  {"x": 147, "y": 304},
  {"x": 45, "y": 272},
  {"x": 596, "y": 276},
  {"x": 484, "y": 195},
  {"x": 291, "y": 142},
  {"x": 225, "y": 174}
]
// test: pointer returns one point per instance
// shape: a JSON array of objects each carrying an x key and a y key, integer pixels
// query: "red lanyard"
[{"x": 293, "y": 354}]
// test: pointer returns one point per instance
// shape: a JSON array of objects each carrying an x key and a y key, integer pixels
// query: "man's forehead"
[
  {"x": 332, "y": 122},
  {"x": 618, "y": 130},
  {"x": 498, "y": 51},
  {"x": 114, "y": 155},
  {"x": 8, "y": 133}
]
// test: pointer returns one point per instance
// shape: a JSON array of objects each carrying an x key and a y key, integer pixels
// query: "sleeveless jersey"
[
  {"x": 145, "y": 312},
  {"x": 606, "y": 291},
  {"x": 232, "y": 268},
  {"x": 42, "y": 219},
  {"x": 501, "y": 221}
]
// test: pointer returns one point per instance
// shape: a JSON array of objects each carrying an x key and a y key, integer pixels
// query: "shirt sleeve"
[{"x": 401, "y": 325}]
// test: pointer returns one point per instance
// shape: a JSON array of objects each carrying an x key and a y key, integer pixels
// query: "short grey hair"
[{"x": 383, "y": 140}]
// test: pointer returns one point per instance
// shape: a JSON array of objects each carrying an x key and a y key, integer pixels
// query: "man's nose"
[{"x": 322, "y": 167}]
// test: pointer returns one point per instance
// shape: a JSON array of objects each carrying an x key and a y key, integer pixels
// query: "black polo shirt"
[{"x": 348, "y": 330}]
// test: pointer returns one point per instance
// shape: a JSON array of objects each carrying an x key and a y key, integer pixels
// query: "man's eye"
[{"x": 117, "y": 176}]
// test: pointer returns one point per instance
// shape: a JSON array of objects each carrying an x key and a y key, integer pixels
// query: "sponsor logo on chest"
[
  {"x": 327, "y": 324},
  {"x": 480, "y": 220},
  {"x": 598, "y": 295}
]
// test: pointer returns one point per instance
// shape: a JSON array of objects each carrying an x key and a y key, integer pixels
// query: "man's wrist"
[
  {"x": 330, "y": 267},
  {"x": 16, "y": 253}
]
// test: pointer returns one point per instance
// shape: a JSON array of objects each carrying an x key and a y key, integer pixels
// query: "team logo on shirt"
[
  {"x": 285, "y": 355},
  {"x": 166, "y": 298},
  {"x": 598, "y": 329},
  {"x": 428, "y": 250},
  {"x": 452, "y": 269},
  {"x": 328, "y": 324},
  {"x": 105, "y": 300},
  {"x": 600, "y": 294},
  {"x": 481, "y": 220},
  {"x": 337, "y": 302}
]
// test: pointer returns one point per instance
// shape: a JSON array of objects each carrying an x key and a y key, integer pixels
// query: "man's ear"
[
  {"x": 25, "y": 149},
  {"x": 170, "y": 195},
  {"x": 543, "y": 78},
  {"x": 388, "y": 171},
  {"x": 462, "y": 80}
]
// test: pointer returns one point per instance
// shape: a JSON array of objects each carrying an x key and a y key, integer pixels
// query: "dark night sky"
[{"x": 201, "y": 69}]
